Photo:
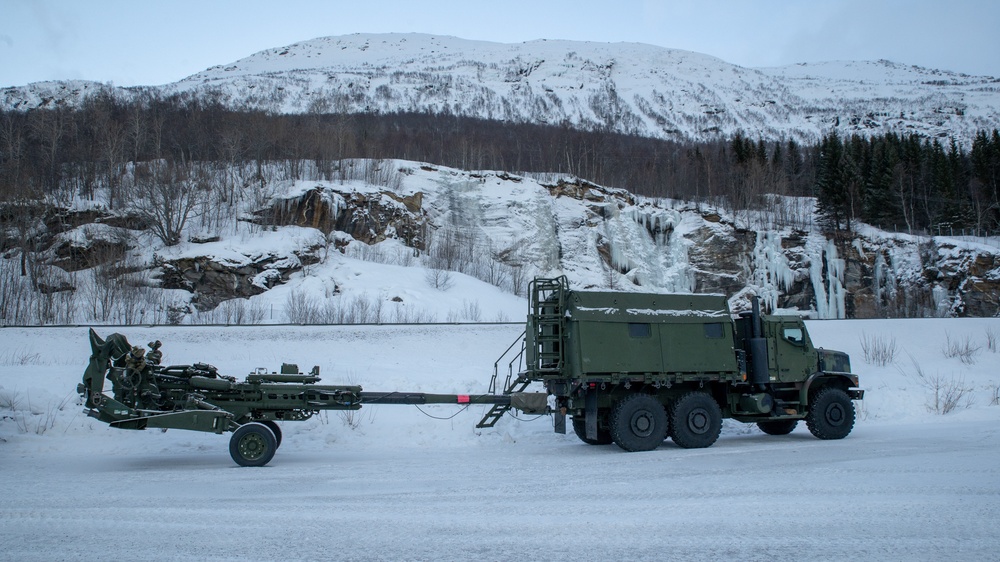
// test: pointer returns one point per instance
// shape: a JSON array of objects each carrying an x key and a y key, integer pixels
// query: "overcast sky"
[{"x": 151, "y": 42}]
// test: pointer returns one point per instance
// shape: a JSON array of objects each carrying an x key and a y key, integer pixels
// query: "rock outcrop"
[
  {"x": 212, "y": 281},
  {"x": 368, "y": 217},
  {"x": 599, "y": 237}
]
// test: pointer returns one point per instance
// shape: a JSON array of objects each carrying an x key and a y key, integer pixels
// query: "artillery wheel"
[
  {"x": 695, "y": 421},
  {"x": 273, "y": 426},
  {"x": 777, "y": 427},
  {"x": 580, "y": 428},
  {"x": 253, "y": 444},
  {"x": 638, "y": 423},
  {"x": 831, "y": 414}
]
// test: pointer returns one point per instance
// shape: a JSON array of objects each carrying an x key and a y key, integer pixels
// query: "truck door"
[{"x": 795, "y": 357}]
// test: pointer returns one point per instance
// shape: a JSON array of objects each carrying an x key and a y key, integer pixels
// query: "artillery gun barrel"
[{"x": 419, "y": 398}]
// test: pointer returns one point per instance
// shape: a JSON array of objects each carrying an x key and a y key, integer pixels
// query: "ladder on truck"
[
  {"x": 542, "y": 348},
  {"x": 547, "y": 323}
]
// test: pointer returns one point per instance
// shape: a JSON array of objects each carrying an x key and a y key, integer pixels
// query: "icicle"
[
  {"x": 838, "y": 292},
  {"x": 878, "y": 278},
  {"x": 830, "y": 292},
  {"x": 942, "y": 304},
  {"x": 771, "y": 272}
]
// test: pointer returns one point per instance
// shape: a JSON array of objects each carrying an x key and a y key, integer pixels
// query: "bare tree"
[
  {"x": 165, "y": 196},
  {"x": 439, "y": 278},
  {"x": 48, "y": 127},
  {"x": 12, "y": 156},
  {"x": 112, "y": 147}
]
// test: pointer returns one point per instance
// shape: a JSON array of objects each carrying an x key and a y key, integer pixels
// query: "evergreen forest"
[{"x": 896, "y": 182}]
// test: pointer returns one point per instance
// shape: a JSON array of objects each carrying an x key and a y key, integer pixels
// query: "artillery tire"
[
  {"x": 580, "y": 428},
  {"x": 778, "y": 427},
  {"x": 273, "y": 426},
  {"x": 831, "y": 414},
  {"x": 695, "y": 421},
  {"x": 638, "y": 423},
  {"x": 252, "y": 444}
]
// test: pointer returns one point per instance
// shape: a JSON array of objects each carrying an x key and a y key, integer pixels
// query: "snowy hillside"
[
  {"x": 424, "y": 243},
  {"x": 392, "y": 483},
  {"x": 624, "y": 87}
]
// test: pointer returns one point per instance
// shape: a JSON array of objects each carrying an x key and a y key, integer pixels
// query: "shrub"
[
  {"x": 300, "y": 308},
  {"x": 878, "y": 349},
  {"x": 964, "y": 349},
  {"x": 991, "y": 340},
  {"x": 946, "y": 393}
]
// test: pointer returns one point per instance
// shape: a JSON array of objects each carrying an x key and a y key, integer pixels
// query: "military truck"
[
  {"x": 627, "y": 368},
  {"x": 637, "y": 368}
]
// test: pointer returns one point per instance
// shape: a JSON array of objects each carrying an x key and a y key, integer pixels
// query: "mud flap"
[
  {"x": 590, "y": 406},
  {"x": 559, "y": 419}
]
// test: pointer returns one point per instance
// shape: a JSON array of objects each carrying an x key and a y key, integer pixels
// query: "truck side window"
[
  {"x": 793, "y": 335},
  {"x": 714, "y": 330},
  {"x": 639, "y": 330}
]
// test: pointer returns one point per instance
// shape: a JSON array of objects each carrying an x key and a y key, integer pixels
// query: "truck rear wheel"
[
  {"x": 695, "y": 421},
  {"x": 778, "y": 427},
  {"x": 252, "y": 444},
  {"x": 831, "y": 414},
  {"x": 580, "y": 428},
  {"x": 638, "y": 423}
]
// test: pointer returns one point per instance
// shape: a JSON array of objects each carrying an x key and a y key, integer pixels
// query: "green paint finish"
[
  {"x": 593, "y": 350},
  {"x": 638, "y": 333}
]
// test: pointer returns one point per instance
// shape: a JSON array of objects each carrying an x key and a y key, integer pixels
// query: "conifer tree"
[
  {"x": 831, "y": 187},
  {"x": 985, "y": 171},
  {"x": 880, "y": 208}
]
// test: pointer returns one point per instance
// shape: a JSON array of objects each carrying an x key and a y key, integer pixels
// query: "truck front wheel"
[
  {"x": 638, "y": 423},
  {"x": 831, "y": 414},
  {"x": 695, "y": 421}
]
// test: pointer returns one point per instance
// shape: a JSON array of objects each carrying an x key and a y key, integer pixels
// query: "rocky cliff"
[{"x": 504, "y": 229}]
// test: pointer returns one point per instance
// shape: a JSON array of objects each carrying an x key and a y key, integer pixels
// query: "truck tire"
[
  {"x": 695, "y": 421},
  {"x": 638, "y": 423},
  {"x": 778, "y": 427},
  {"x": 580, "y": 428},
  {"x": 831, "y": 414},
  {"x": 252, "y": 444}
]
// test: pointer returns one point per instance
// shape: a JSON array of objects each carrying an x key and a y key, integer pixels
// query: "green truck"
[
  {"x": 637, "y": 368},
  {"x": 628, "y": 368}
]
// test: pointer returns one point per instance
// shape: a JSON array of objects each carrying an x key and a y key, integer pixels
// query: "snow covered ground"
[{"x": 391, "y": 483}]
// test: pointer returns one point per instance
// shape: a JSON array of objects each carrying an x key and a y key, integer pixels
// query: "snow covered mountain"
[{"x": 624, "y": 87}]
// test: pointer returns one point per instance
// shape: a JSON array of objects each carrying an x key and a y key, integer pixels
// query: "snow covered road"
[
  {"x": 394, "y": 484},
  {"x": 900, "y": 492}
]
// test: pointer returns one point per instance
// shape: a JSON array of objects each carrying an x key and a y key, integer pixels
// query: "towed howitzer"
[
  {"x": 196, "y": 397},
  {"x": 632, "y": 369}
]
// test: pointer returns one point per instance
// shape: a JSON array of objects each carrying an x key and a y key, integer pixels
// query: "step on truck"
[{"x": 637, "y": 368}]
